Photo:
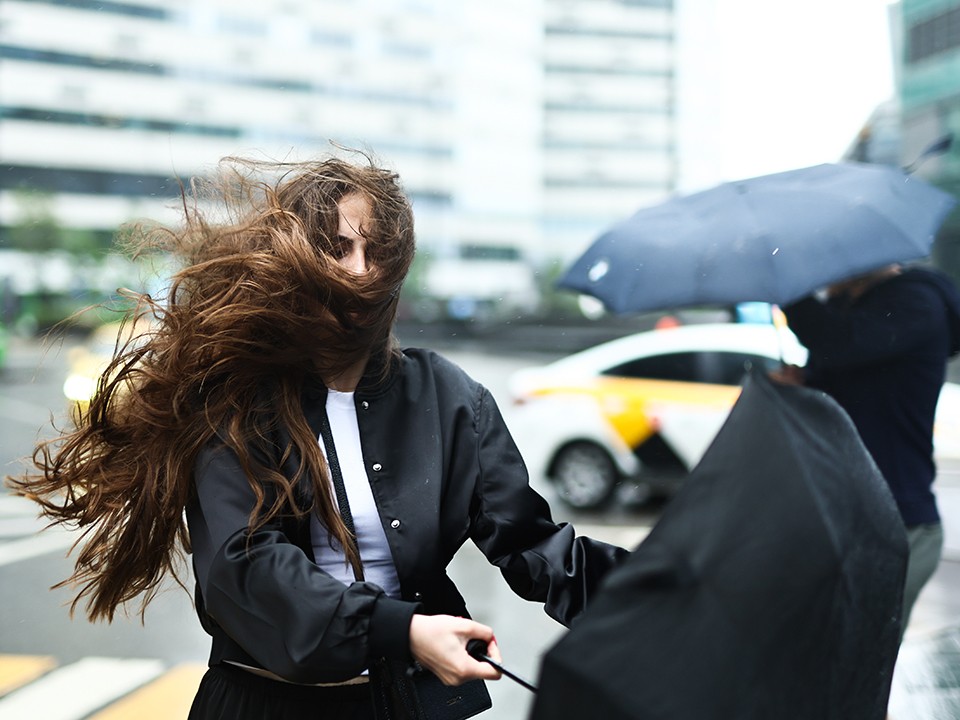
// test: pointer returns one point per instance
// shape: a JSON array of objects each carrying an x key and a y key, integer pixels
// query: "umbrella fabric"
[
  {"x": 770, "y": 588},
  {"x": 773, "y": 238}
]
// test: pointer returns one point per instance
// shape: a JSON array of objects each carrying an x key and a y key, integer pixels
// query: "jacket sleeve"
[
  {"x": 512, "y": 526},
  {"x": 265, "y": 593},
  {"x": 873, "y": 330}
]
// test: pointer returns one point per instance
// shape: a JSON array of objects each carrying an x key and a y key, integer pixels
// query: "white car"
[{"x": 639, "y": 412}]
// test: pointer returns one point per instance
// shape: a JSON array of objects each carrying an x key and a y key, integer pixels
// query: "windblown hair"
[{"x": 259, "y": 309}]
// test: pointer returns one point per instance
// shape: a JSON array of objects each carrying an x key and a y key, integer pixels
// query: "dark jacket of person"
[
  {"x": 443, "y": 469},
  {"x": 883, "y": 358}
]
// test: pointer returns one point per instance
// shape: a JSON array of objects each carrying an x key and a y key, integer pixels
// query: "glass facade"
[
  {"x": 609, "y": 114},
  {"x": 930, "y": 105},
  {"x": 105, "y": 105},
  {"x": 512, "y": 124}
]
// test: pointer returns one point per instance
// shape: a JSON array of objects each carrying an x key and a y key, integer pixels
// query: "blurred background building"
[
  {"x": 879, "y": 139},
  {"x": 930, "y": 104},
  {"x": 609, "y": 115},
  {"x": 925, "y": 42},
  {"x": 519, "y": 129}
]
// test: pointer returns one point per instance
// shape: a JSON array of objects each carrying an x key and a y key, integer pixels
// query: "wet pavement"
[{"x": 926, "y": 683}]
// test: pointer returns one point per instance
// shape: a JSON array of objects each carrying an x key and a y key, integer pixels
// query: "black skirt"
[{"x": 231, "y": 693}]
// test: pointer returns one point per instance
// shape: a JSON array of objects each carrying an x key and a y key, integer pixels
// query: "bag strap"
[{"x": 342, "y": 501}]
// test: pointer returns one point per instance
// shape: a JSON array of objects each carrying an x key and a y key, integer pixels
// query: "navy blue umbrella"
[{"x": 774, "y": 238}]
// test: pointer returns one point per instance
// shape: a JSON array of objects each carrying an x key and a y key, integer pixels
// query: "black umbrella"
[
  {"x": 769, "y": 589},
  {"x": 773, "y": 238}
]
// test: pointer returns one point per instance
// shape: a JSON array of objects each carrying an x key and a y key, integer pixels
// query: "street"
[{"x": 68, "y": 669}]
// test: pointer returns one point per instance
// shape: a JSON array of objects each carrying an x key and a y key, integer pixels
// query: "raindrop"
[
  {"x": 600, "y": 268},
  {"x": 775, "y": 251}
]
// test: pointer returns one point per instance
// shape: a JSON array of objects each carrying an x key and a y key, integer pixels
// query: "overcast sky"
[{"x": 770, "y": 85}]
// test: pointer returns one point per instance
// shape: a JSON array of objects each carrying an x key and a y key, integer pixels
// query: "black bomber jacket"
[{"x": 443, "y": 469}]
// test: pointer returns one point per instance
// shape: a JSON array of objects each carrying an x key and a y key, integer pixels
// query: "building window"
[
  {"x": 117, "y": 8},
  {"x": 934, "y": 35}
]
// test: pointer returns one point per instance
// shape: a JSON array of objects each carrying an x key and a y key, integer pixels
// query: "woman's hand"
[{"x": 439, "y": 643}]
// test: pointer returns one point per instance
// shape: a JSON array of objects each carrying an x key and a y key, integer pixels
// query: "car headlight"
[{"x": 79, "y": 388}]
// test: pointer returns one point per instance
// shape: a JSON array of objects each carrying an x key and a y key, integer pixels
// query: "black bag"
[
  {"x": 402, "y": 693},
  {"x": 443, "y": 702}
]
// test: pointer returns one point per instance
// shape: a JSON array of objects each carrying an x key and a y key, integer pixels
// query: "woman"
[{"x": 271, "y": 384}]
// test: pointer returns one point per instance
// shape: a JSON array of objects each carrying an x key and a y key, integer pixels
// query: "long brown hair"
[{"x": 258, "y": 309}]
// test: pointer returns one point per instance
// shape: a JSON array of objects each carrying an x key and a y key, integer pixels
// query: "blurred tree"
[
  {"x": 37, "y": 230},
  {"x": 412, "y": 294},
  {"x": 41, "y": 302},
  {"x": 556, "y": 303},
  {"x": 81, "y": 241},
  {"x": 413, "y": 285}
]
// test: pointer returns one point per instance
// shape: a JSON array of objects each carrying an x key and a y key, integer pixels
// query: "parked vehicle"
[
  {"x": 88, "y": 361},
  {"x": 639, "y": 412},
  {"x": 480, "y": 284},
  {"x": 642, "y": 408}
]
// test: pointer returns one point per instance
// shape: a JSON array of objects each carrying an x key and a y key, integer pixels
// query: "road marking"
[
  {"x": 19, "y": 519},
  {"x": 169, "y": 696},
  {"x": 74, "y": 691},
  {"x": 19, "y": 526},
  {"x": 18, "y": 670},
  {"x": 48, "y": 541}
]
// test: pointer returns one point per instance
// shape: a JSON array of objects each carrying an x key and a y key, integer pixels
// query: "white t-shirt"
[{"x": 378, "y": 566}]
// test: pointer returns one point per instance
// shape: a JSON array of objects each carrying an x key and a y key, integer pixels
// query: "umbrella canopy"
[
  {"x": 770, "y": 588},
  {"x": 773, "y": 238}
]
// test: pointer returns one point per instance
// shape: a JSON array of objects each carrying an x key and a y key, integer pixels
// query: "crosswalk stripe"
[
  {"x": 19, "y": 520},
  {"x": 16, "y": 506},
  {"x": 74, "y": 691},
  {"x": 18, "y": 670},
  {"x": 169, "y": 696},
  {"x": 19, "y": 526},
  {"x": 46, "y": 542}
]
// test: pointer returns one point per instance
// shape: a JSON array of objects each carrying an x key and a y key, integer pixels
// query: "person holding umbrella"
[
  {"x": 322, "y": 478},
  {"x": 879, "y": 345}
]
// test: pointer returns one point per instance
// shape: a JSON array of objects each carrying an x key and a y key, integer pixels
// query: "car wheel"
[{"x": 585, "y": 475}]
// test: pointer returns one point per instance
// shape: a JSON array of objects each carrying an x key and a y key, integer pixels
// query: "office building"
[
  {"x": 107, "y": 105},
  {"x": 609, "y": 120},
  {"x": 526, "y": 124},
  {"x": 930, "y": 105}
]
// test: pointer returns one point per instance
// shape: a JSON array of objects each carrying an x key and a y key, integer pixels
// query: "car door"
[
  {"x": 688, "y": 425},
  {"x": 677, "y": 400}
]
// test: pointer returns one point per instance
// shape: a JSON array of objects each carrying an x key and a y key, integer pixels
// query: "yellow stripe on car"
[{"x": 629, "y": 404}]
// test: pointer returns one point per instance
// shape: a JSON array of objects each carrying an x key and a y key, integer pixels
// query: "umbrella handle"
[{"x": 478, "y": 650}]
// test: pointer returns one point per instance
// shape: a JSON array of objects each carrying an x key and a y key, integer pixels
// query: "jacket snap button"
[
  {"x": 365, "y": 405},
  {"x": 418, "y": 596},
  {"x": 394, "y": 524},
  {"x": 377, "y": 467}
]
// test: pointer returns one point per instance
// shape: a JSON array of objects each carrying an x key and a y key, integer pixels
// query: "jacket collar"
[{"x": 373, "y": 383}]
